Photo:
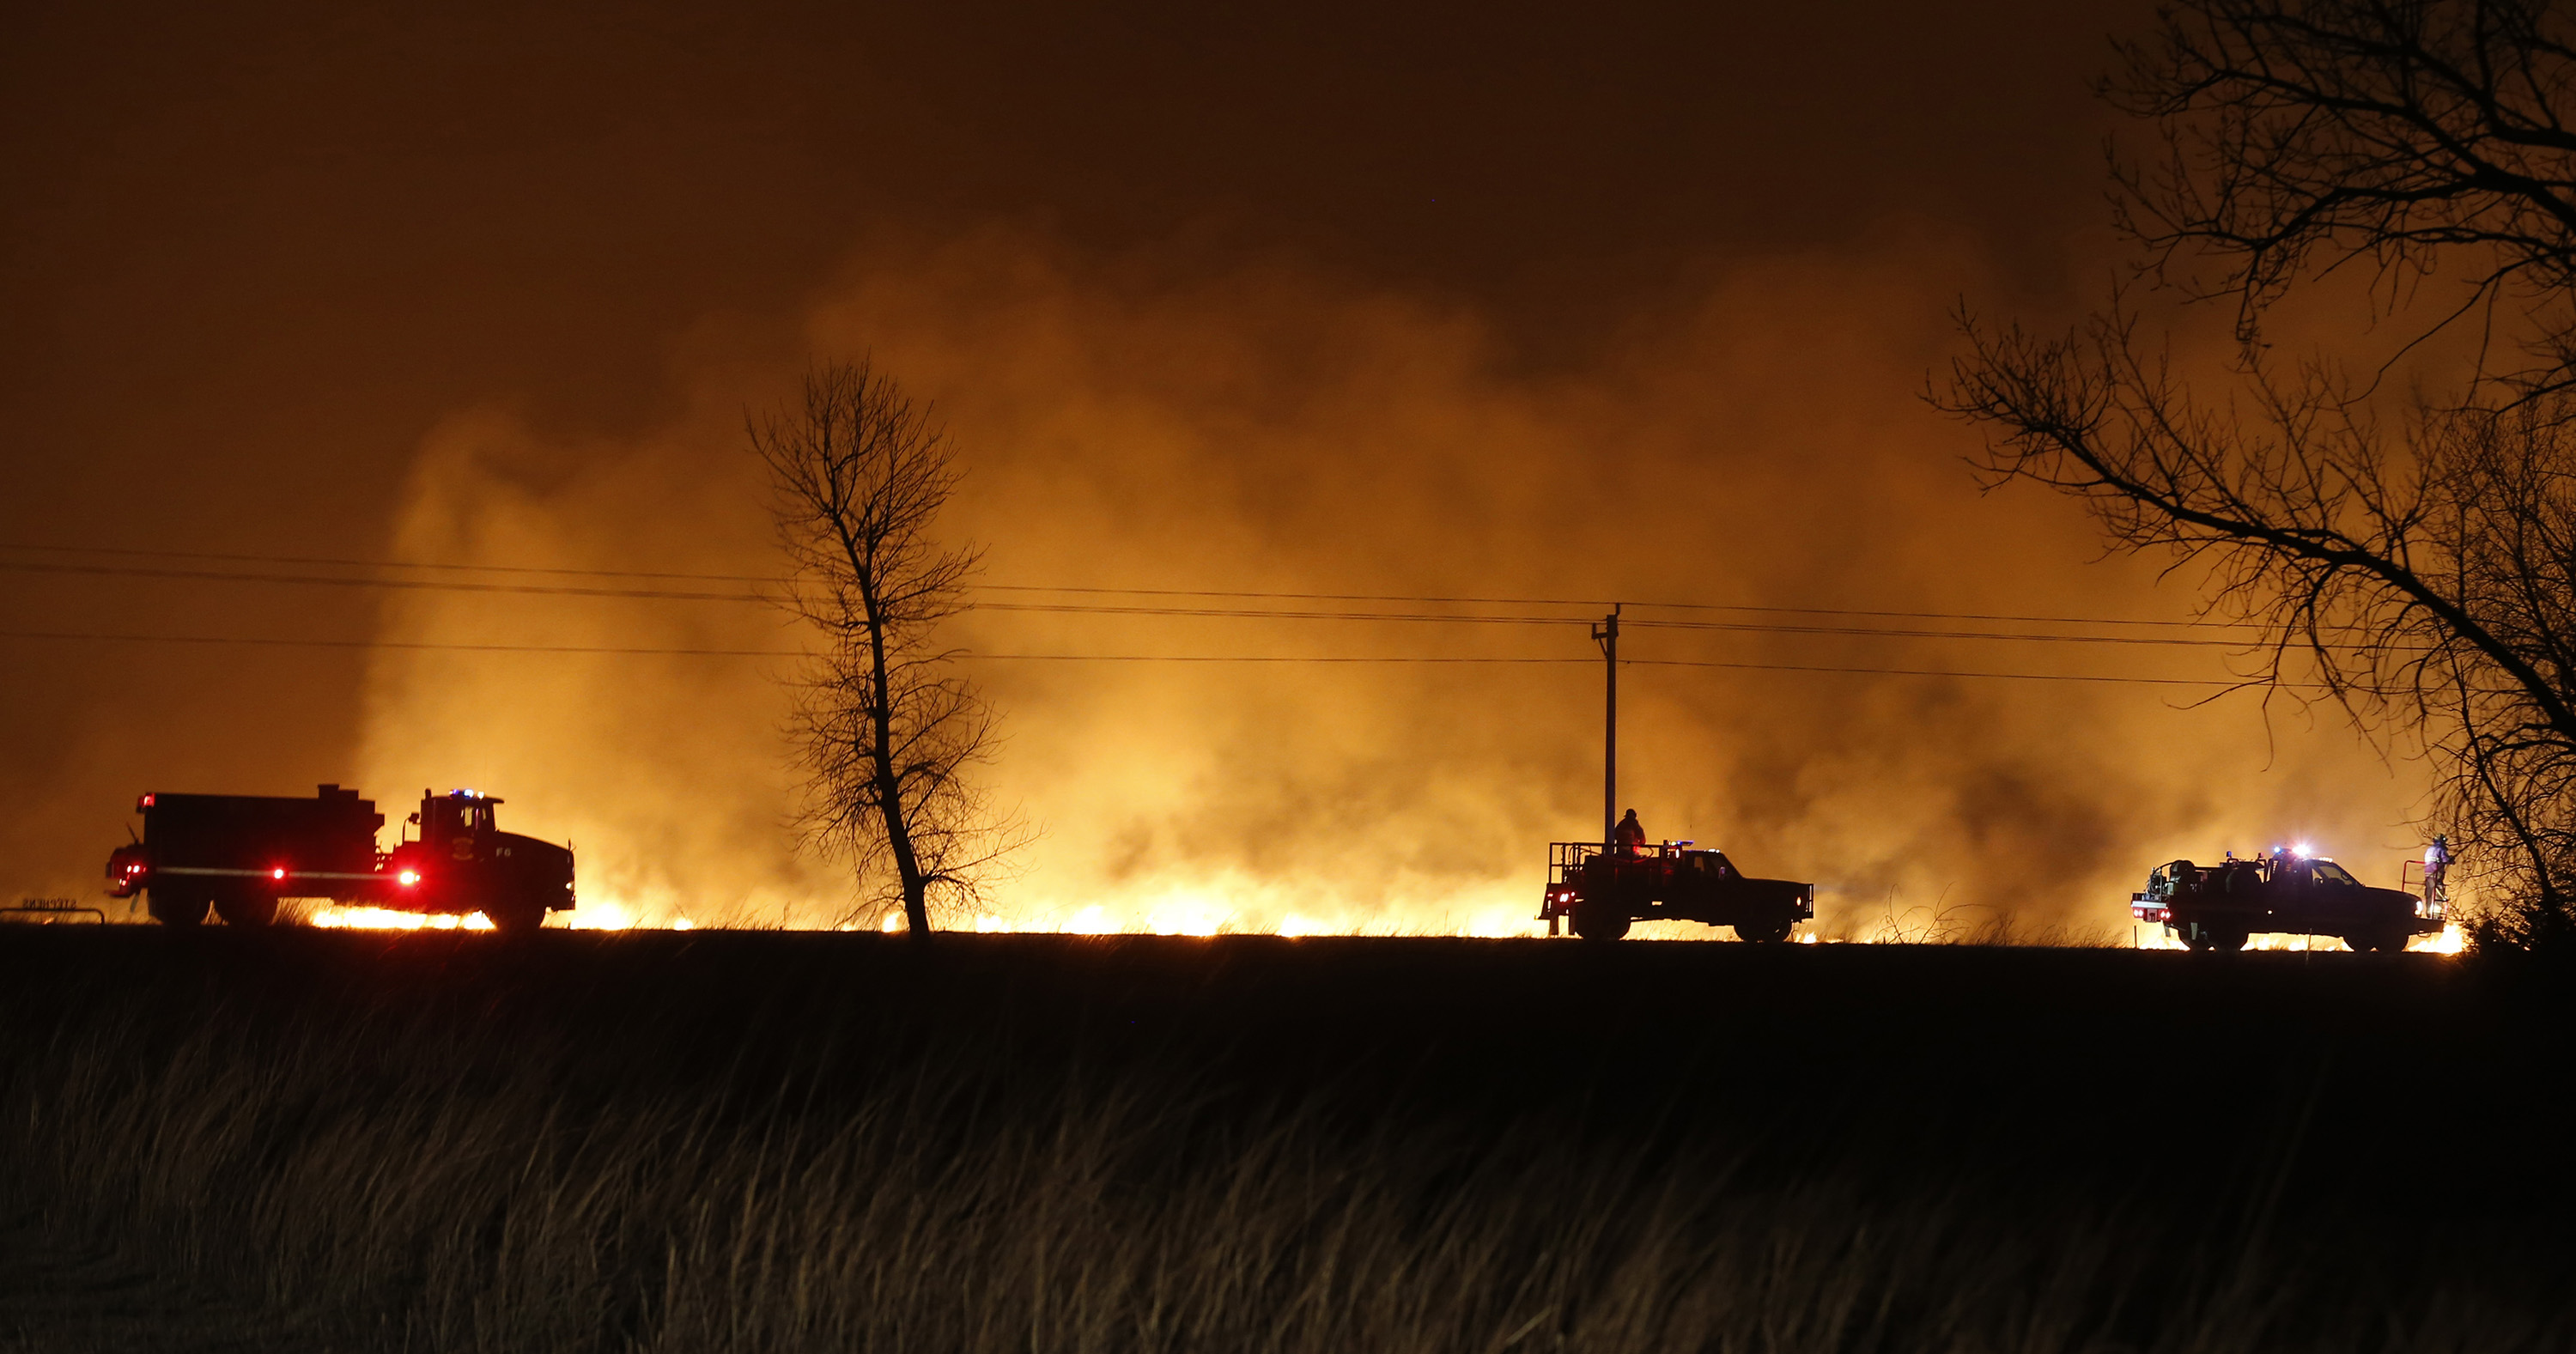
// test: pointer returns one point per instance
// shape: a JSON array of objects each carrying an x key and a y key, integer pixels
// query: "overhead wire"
[
  {"x": 1470, "y": 659},
  {"x": 1243, "y": 594},
  {"x": 394, "y": 584},
  {"x": 1075, "y": 608},
  {"x": 1227, "y": 613}
]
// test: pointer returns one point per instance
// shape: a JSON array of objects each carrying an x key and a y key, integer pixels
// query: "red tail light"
[{"x": 279, "y": 873}]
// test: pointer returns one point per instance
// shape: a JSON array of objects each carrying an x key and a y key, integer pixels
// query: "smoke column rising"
[{"x": 1272, "y": 426}]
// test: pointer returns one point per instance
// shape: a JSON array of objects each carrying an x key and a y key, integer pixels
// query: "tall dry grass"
[{"x": 392, "y": 1181}]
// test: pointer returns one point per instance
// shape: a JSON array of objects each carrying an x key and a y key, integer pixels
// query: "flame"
[
  {"x": 2450, "y": 941},
  {"x": 386, "y": 919},
  {"x": 1195, "y": 916},
  {"x": 1190, "y": 918},
  {"x": 587, "y": 917},
  {"x": 600, "y": 917}
]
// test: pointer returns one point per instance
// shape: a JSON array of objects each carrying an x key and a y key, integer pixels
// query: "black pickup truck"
[
  {"x": 2220, "y": 906},
  {"x": 1601, "y": 891}
]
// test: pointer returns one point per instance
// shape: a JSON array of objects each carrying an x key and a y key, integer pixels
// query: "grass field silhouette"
[{"x": 768, "y": 1141}]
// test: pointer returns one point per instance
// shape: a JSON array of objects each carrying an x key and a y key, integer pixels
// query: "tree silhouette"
[{"x": 887, "y": 727}]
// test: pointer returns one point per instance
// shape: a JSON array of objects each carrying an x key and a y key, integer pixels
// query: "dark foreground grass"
[{"x": 779, "y": 1142}]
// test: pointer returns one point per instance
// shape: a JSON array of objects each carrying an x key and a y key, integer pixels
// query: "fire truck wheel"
[
  {"x": 1593, "y": 921},
  {"x": 1770, "y": 932},
  {"x": 2389, "y": 938},
  {"x": 246, "y": 911},
  {"x": 176, "y": 909},
  {"x": 516, "y": 919}
]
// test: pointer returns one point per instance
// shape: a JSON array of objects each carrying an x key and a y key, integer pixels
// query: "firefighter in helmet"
[{"x": 1629, "y": 838}]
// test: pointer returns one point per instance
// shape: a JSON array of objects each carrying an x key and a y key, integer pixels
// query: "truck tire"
[
  {"x": 2385, "y": 938},
  {"x": 1594, "y": 921},
  {"x": 172, "y": 908},
  {"x": 1770, "y": 932},
  {"x": 515, "y": 919},
  {"x": 252, "y": 911},
  {"x": 2210, "y": 939}
]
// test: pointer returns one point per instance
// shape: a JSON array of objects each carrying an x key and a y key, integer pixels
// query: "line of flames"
[
  {"x": 587, "y": 917},
  {"x": 1099, "y": 921}
]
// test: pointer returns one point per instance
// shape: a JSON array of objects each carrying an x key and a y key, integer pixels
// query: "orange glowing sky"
[{"x": 1513, "y": 301}]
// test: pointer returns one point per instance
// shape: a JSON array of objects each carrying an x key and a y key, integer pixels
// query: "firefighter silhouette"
[{"x": 1628, "y": 839}]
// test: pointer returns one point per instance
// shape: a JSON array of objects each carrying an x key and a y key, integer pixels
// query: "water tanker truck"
[{"x": 239, "y": 854}]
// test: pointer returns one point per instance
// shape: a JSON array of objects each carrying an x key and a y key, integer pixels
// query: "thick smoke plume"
[{"x": 1274, "y": 427}]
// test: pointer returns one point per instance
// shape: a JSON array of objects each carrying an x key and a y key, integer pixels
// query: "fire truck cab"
[{"x": 460, "y": 861}]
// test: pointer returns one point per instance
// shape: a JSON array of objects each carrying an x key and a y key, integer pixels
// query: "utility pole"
[{"x": 1606, "y": 634}]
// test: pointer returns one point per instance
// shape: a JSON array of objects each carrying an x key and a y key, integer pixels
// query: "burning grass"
[{"x": 814, "y": 1142}]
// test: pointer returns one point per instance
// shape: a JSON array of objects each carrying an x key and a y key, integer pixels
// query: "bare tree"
[
  {"x": 2416, "y": 564},
  {"x": 885, "y": 729},
  {"x": 2420, "y": 141}
]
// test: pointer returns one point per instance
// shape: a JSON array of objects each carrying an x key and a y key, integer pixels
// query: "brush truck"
[
  {"x": 240, "y": 854},
  {"x": 1602, "y": 891},
  {"x": 2222, "y": 905}
]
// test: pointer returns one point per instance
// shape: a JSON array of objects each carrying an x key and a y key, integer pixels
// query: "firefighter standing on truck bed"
[{"x": 1629, "y": 838}]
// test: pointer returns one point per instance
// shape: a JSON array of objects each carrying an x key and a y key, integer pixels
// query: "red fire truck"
[
  {"x": 1602, "y": 891},
  {"x": 240, "y": 854}
]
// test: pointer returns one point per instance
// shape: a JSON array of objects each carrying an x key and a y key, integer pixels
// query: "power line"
[
  {"x": 1748, "y": 628},
  {"x": 386, "y": 563},
  {"x": 1735, "y": 627},
  {"x": 1596, "y": 603},
  {"x": 1657, "y": 663},
  {"x": 1077, "y": 608},
  {"x": 263, "y": 642},
  {"x": 401, "y": 645},
  {"x": 1932, "y": 672},
  {"x": 1243, "y": 594},
  {"x": 399, "y": 584}
]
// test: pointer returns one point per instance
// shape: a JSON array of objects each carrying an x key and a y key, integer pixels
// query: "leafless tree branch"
[{"x": 2412, "y": 138}]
